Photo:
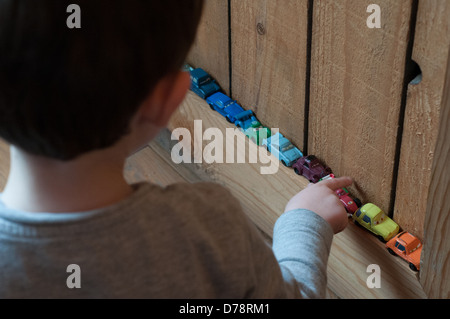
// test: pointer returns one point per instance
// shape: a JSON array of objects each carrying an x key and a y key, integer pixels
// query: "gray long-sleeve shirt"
[{"x": 182, "y": 241}]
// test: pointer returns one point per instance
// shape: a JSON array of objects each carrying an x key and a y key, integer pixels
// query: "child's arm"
[
  {"x": 234, "y": 259},
  {"x": 322, "y": 199},
  {"x": 303, "y": 235}
]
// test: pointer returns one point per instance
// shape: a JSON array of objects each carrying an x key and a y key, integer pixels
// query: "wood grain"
[
  {"x": 4, "y": 163},
  {"x": 356, "y": 88},
  {"x": 263, "y": 198},
  {"x": 269, "y": 61},
  {"x": 435, "y": 261},
  {"x": 423, "y": 114},
  {"x": 210, "y": 50}
]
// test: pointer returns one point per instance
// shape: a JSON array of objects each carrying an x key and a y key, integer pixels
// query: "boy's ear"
[{"x": 165, "y": 98}]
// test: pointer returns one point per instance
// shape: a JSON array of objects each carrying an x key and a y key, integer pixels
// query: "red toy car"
[
  {"x": 350, "y": 204},
  {"x": 310, "y": 167}
]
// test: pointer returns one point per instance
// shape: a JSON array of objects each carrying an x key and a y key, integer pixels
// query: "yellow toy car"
[{"x": 374, "y": 219}]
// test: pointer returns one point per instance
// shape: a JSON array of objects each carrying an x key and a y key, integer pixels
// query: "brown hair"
[{"x": 64, "y": 92}]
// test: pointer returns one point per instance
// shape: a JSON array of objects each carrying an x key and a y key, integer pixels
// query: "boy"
[{"x": 74, "y": 103}]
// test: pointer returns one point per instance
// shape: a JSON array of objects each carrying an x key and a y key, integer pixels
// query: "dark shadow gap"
[
  {"x": 413, "y": 75},
  {"x": 308, "y": 76}
]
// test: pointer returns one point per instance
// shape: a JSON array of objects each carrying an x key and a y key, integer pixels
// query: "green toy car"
[{"x": 257, "y": 134}]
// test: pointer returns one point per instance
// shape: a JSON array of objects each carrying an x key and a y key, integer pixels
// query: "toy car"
[
  {"x": 187, "y": 68},
  {"x": 202, "y": 84},
  {"x": 310, "y": 167},
  {"x": 407, "y": 247},
  {"x": 246, "y": 119},
  {"x": 329, "y": 176},
  {"x": 225, "y": 106},
  {"x": 282, "y": 149},
  {"x": 351, "y": 204},
  {"x": 375, "y": 220},
  {"x": 257, "y": 134}
]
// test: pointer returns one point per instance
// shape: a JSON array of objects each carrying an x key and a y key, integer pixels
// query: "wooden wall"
[
  {"x": 435, "y": 267},
  {"x": 340, "y": 90},
  {"x": 423, "y": 114},
  {"x": 269, "y": 61},
  {"x": 356, "y": 92},
  {"x": 211, "y": 47}
]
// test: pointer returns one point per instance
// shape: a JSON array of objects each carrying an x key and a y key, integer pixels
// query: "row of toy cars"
[
  {"x": 206, "y": 87},
  {"x": 372, "y": 218},
  {"x": 368, "y": 216}
]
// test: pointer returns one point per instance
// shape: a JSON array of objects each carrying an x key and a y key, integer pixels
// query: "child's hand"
[{"x": 321, "y": 198}]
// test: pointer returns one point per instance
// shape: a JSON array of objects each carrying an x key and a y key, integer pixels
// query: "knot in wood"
[{"x": 260, "y": 29}]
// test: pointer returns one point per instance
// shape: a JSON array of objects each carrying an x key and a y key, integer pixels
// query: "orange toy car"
[{"x": 406, "y": 246}]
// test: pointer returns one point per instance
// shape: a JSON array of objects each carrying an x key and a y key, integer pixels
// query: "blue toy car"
[
  {"x": 202, "y": 83},
  {"x": 246, "y": 120},
  {"x": 225, "y": 106},
  {"x": 282, "y": 149}
]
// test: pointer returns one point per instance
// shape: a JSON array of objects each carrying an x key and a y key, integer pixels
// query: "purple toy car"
[{"x": 310, "y": 167}]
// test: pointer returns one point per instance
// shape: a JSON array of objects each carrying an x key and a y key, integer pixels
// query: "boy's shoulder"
[
  {"x": 200, "y": 198},
  {"x": 201, "y": 191}
]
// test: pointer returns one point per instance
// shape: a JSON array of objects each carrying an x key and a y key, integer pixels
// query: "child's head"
[{"x": 65, "y": 92}]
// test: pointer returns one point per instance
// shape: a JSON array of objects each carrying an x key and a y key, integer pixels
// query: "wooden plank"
[
  {"x": 356, "y": 88},
  {"x": 210, "y": 50},
  {"x": 269, "y": 62},
  {"x": 263, "y": 198},
  {"x": 4, "y": 163},
  {"x": 435, "y": 265},
  {"x": 423, "y": 114}
]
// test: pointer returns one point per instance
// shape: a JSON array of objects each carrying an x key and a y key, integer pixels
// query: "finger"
[{"x": 337, "y": 183}]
